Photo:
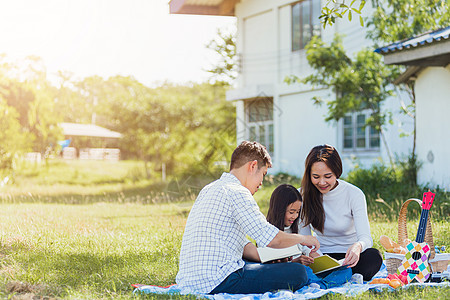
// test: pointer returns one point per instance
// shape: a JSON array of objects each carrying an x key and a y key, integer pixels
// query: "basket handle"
[{"x": 402, "y": 230}]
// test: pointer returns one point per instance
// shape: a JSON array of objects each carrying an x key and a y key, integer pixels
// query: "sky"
[{"x": 111, "y": 37}]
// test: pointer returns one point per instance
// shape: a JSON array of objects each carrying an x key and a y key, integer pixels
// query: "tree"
[
  {"x": 69, "y": 100},
  {"x": 91, "y": 90},
  {"x": 396, "y": 20},
  {"x": 334, "y": 9},
  {"x": 359, "y": 83},
  {"x": 25, "y": 88},
  {"x": 171, "y": 125},
  {"x": 226, "y": 70},
  {"x": 365, "y": 82},
  {"x": 13, "y": 140}
]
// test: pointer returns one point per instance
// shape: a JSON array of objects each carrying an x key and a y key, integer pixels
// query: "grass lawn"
[{"x": 98, "y": 247}]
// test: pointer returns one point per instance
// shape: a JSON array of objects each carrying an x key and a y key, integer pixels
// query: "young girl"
[{"x": 284, "y": 211}]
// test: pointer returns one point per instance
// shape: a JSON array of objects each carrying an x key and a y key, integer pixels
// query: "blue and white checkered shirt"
[{"x": 215, "y": 234}]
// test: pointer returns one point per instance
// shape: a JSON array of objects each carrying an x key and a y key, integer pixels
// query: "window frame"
[
  {"x": 297, "y": 45},
  {"x": 256, "y": 125},
  {"x": 355, "y": 132}
]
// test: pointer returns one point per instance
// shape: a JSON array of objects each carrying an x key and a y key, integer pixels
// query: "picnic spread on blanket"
[{"x": 407, "y": 263}]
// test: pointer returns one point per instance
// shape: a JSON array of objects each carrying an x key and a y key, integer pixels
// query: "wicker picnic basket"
[{"x": 393, "y": 260}]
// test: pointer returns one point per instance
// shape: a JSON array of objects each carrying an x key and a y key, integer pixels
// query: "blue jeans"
[{"x": 257, "y": 278}]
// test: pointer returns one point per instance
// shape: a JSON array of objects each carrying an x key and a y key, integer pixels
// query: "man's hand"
[
  {"x": 311, "y": 242},
  {"x": 352, "y": 255}
]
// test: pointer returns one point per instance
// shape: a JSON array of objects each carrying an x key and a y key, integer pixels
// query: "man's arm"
[
  {"x": 283, "y": 240},
  {"x": 250, "y": 253}
]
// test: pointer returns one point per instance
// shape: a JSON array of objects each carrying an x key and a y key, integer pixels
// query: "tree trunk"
[{"x": 387, "y": 148}]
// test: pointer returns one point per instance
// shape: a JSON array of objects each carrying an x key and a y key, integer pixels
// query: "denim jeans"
[{"x": 257, "y": 278}]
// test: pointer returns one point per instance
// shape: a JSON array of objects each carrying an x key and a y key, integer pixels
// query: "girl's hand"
[
  {"x": 352, "y": 255},
  {"x": 304, "y": 260}
]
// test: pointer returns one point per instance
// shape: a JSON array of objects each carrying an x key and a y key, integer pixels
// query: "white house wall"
[
  {"x": 264, "y": 43},
  {"x": 298, "y": 118},
  {"x": 433, "y": 103},
  {"x": 258, "y": 62}
]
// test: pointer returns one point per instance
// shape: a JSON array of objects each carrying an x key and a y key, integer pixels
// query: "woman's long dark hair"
[
  {"x": 282, "y": 197},
  {"x": 312, "y": 211}
]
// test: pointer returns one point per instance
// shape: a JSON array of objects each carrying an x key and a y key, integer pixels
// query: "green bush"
[
  {"x": 386, "y": 189},
  {"x": 281, "y": 178}
]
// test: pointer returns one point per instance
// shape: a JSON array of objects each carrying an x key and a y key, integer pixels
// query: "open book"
[
  {"x": 267, "y": 254},
  {"x": 324, "y": 263}
]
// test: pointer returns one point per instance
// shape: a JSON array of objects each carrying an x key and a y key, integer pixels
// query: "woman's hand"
[
  {"x": 304, "y": 260},
  {"x": 352, "y": 255}
]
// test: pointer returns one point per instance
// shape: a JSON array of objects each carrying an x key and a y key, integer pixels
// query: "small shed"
[
  {"x": 90, "y": 141},
  {"x": 428, "y": 59}
]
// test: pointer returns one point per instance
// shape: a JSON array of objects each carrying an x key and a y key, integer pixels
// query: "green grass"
[
  {"x": 85, "y": 182},
  {"x": 93, "y": 243},
  {"x": 92, "y": 250}
]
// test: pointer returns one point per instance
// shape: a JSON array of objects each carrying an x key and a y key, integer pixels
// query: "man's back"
[{"x": 215, "y": 234}]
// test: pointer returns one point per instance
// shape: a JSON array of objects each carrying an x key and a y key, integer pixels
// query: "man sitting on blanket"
[{"x": 214, "y": 243}]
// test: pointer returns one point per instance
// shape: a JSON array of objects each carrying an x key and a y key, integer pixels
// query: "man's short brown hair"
[{"x": 250, "y": 151}]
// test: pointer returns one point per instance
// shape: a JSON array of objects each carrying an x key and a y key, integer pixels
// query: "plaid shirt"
[{"x": 215, "y": 234}]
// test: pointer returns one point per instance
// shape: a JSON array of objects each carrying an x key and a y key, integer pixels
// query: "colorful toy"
[{"x": 415, "y": 264}]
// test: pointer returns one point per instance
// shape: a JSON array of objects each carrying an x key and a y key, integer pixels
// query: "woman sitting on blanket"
[{"x": 336, "y": 212}]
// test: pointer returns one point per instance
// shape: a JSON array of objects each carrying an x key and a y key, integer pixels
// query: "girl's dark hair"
[
  {"x": 282, "y": 197},
  {"x": 312, "y": 209}
]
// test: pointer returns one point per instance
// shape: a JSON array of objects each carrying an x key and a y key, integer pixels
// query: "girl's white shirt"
[{"x": 346, "y": 220}]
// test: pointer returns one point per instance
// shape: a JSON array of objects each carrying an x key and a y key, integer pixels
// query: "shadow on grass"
[
  {"x": 138, "y": 194},
  {"x": 97, "y": 273},
  {"x": 177, "y": 190}
]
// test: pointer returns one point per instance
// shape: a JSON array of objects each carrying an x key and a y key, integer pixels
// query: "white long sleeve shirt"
[{"x": 346, "y": 220}]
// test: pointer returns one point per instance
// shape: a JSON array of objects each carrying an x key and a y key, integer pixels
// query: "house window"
[
  {"x": 305, "y": 22},
  {"x": 358, "y": 136},
  {"x": 259, "y": 113}
]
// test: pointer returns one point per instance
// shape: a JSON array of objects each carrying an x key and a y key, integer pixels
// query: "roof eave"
[
  {"x": 409, "y": 75},
  {"x": 225, "y": 8},
  {"x": 436, "y": 54}
]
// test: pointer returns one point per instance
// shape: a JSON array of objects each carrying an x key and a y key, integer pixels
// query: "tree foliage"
[
  {"x": 334, "y": 9},
  {"x": 186, "y": 128},
  {"x": 174, "y": 125},
  {"x": 29, "y": 122},
  {"x": 360, "y": 83},
  {"x": 13, "y": 140},
  {"x": 365, "y": 82},
  {"x": 226, "y": 70},
  {"x": 396, "y": 20}
]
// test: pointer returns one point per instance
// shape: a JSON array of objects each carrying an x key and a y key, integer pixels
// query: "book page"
[
  {"x": 324, "y": 263},
  {"x": 267, "y": 253}
]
